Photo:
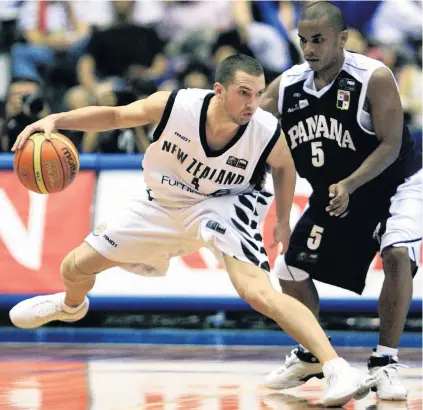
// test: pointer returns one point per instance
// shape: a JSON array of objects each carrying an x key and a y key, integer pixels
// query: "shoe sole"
[
  {"x": 294, "y": 383},
  {"x": 362, "y": 392}
]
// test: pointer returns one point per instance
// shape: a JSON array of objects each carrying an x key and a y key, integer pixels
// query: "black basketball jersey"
[{"x": 330, "y": 131}]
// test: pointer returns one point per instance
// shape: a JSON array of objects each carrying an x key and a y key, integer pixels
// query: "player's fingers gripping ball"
[{"x": 46, "y": 166}]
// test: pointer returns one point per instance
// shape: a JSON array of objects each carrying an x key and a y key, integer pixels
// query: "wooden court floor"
[{"x": 119, "y": 377}]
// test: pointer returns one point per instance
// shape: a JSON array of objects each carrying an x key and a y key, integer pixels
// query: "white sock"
[
  {"x": 385, "y": 351},
  {"x": 72, "y": 309}
]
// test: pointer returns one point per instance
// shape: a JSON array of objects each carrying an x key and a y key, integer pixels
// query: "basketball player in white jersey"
[
  {"x": 204, "y": 173},
  {"x": 342, "y": 115}
]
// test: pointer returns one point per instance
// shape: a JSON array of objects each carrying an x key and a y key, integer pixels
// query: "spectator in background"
[
  {"x": 195, "y": 75},
  {"x": 116, "y": 54},
  {"x": 411, "y": 90},
  {"x": 50, "y": 31}
]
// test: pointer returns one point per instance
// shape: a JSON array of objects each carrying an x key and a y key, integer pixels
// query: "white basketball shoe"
[
  {"x": 38, "y": 311},
  {"x": 300, "y": 366},
  {"x": 386, "y": 371},
  {"x": 344, "y": 383}
]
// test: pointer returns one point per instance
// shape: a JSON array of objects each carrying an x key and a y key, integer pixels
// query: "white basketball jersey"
[{"x": 179, "y": 167}]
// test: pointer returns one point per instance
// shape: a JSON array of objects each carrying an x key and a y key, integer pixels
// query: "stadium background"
[{"x": 53, "y": 57}]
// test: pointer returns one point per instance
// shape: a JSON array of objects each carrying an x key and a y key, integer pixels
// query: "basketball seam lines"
[
  {"x": 60, "y": 160},
  {"x": 41, "y": 166},
  {"x": 18, "y": 167}
]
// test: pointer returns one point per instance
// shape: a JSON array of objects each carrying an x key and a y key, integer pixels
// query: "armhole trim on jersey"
[
  {"x": 360, "y": 108},
  {"x": 281, "y": 95},
  {"x": 265, "y": 154},
  {"x": 363, "y": 97},
  {"x": 165, "y": 117}
]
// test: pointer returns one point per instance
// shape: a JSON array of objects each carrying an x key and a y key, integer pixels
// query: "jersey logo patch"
[
  {"x": 343, "y": 100},
  {"x": 215, "y": 226},
  {"x": 347, "y": 84},
  {"x": 237, "y": 162}
]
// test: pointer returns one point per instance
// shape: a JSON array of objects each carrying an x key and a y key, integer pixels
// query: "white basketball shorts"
[
  {"x": 144, "y": 237},
  {"x": 404, "y": 225}
]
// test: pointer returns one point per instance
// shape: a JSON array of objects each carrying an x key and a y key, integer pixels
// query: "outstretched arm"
[{"x": 95, "y": 119}]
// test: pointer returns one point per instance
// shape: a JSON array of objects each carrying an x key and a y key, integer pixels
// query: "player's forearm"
[
  {"x": 284, "y": 188},
  {"x": 380, "y": 159},
  {"x": 87, "y": 119}
]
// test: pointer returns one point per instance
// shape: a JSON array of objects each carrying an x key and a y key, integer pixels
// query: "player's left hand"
[
  {"x": 281, "y": 234},
  {"x": 340, "y": 199}
]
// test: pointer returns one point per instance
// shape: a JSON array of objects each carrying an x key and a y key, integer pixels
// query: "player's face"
[
  {"x": 243, "y": 96},
  {"x": 322, "y": 46}
]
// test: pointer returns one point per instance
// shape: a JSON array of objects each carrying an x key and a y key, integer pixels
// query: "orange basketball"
[{"x": 46, "y": 166}]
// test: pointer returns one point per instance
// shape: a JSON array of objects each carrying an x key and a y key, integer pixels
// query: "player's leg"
[
  {"x": 78, "y": 271},
  {"x": 137, "y": 239},
  {"x": 323, "y": 249},
  {"x": 400, "y": 238},
  {"x": 254, "y": 286},
  {"x": 298, "y": 284}
]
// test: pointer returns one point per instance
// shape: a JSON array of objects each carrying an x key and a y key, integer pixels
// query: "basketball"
[{"x": 46, "y": 166}]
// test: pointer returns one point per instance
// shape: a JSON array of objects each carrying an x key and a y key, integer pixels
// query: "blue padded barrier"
[
  {"x": 198, "y": 304},
  {"x": 189, "y": 337},
  {"x": 92, "y": 161}
]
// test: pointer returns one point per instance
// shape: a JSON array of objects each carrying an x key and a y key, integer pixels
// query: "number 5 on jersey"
[
  {"x": 313, "y": 241},
  {"x": 317, "y": 154}
]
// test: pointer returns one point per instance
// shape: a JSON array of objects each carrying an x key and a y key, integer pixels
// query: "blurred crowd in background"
[{"x": 61, "y": 55}]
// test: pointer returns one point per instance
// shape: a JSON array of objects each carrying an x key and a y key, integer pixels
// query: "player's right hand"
[
  {"x": 46, "y": 125},
  {"x": 339, "y": 199}
]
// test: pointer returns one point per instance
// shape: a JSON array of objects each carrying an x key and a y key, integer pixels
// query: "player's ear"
[
  {"x": 218, "y": 89},
  {"x": 343, "y": 37}
]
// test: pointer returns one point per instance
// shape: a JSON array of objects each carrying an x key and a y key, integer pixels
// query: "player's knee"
[
  {"x": 396, "y": 261},
  {"x": 289, "y": 273},
  {"x": 262, "y": 300},
  {"x": 71, "y": 275}
]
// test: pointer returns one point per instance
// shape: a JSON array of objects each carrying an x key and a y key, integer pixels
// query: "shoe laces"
[{"x": 391, "y": 372}]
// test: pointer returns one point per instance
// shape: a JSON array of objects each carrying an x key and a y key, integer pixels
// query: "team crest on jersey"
[
  {"x": 237, "y": 162},
  {"x": 343, "y": 100}
]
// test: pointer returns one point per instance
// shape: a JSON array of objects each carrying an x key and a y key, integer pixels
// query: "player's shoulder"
[
  {"x": 359, "y": 65},
  {"x": 295, "y": 74},
  {"x": 192, "y": 95},
  {"x": 264, "y": 120}
]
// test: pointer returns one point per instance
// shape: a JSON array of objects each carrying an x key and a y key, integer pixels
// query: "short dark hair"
[
  {"x": 318, "y": 9},
  {"x": 226, "y": 70}
]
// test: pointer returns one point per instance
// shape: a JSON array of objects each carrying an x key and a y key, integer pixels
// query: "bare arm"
[
  {"x": 270, "y": 98},
  {"x": 387, "y": 116},
  {"x": 284, "y": 178},
  {"x": 91, "y": 119}
]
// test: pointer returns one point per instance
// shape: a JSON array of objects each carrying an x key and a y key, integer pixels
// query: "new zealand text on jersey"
[
  {"x": 318, "y": 127},
  {"x": 201, "y": 171}
]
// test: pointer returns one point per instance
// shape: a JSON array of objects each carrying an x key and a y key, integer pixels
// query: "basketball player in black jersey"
[{"x": 342, "y": 116}]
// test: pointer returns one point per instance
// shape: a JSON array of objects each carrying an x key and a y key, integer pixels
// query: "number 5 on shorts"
[{"x": 313, "y": 241}]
